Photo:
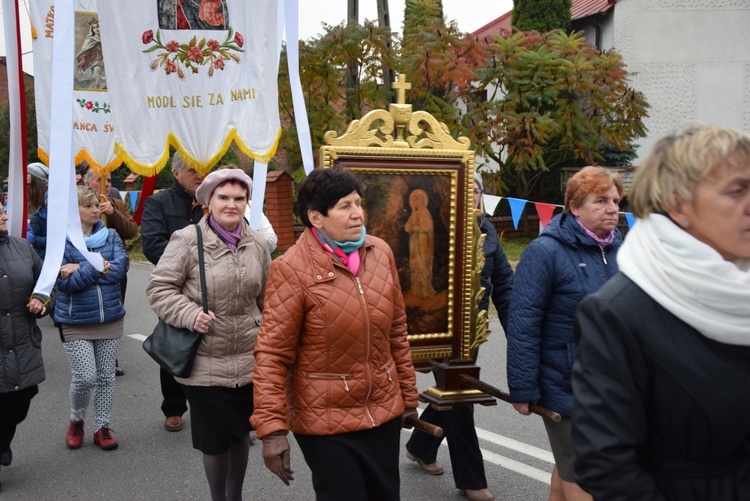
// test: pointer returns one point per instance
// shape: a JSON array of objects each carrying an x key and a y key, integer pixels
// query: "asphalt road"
[{"x": 153, "y": 464}]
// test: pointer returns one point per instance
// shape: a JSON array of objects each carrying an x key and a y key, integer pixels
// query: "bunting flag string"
[
  {"x": 133, "y": 196},
  {"x": 544, "y": 210},
  {"x": 631, "y": 219},
  {"x": 490, "y": 203},
  {"x": 516, "y": 209}
]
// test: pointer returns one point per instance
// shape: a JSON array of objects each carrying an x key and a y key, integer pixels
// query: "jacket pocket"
[
  {"x": 35, "y": 334},
  {"x": 386, "y": 369},
  {"x": 331, "y": 376}
]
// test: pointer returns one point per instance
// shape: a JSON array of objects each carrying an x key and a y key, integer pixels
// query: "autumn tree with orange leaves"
[{"x": 551, "y": 100}]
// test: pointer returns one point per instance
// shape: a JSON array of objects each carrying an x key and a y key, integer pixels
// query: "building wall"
[{"x": 691, "y": 59}]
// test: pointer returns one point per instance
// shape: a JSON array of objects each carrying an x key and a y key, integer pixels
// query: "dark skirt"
[
  {"x": 356, "y": 466},
  {"x": 219, "y": 416}
]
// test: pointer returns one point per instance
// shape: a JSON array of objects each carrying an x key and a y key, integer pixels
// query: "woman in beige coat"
[{"x": 219, "y": 388}]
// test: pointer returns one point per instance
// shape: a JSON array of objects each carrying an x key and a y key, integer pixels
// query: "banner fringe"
[
  {"x": 80, "y": 157},
  {"x": 150, "y": 170}
]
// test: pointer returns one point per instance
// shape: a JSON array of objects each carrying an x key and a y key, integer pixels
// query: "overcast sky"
[{"x": 469, "y": 14}]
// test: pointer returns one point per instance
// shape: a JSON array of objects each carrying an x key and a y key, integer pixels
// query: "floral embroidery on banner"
[
  {"x": 93, "y": 106},
  {"x": 173, "y": 56}
]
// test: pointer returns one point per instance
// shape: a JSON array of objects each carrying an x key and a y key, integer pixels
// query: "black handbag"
[{"x": 174, "y": 348}]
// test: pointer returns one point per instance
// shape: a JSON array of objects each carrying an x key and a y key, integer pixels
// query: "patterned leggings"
[{"x": 93, "y": 366}]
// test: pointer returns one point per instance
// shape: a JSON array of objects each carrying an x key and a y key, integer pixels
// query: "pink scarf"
[
  {"x": 351, "y": 260},
  {"x": 230, "y": 238},
  {"x": 603, "y": 242}
]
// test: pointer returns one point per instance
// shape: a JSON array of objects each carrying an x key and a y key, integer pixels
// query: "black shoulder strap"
[{"x": 202, "y": 268}]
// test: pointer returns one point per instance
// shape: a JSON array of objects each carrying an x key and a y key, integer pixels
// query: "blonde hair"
[
  {"x": 591, "y": 179},
  {"x": 85, "y": 193},
  {"x": 679, "y": 162}
]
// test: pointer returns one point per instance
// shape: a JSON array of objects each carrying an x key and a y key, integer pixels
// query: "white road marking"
[
  {"x": 516, "y": 445},
  {"x": 508, "y": 463},
  {"x": 518, "y": 467},
  {"x": 489, "y": 456}
]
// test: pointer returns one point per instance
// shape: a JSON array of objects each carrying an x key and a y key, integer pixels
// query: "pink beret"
[{"x": 217, "y": 177}]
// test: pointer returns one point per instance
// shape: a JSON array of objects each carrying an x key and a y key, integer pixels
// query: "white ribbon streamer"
[
  {"x": 63, "y": 199},
  {"x": 16, "y": 179},
  {"x": 300, "y": 112}
]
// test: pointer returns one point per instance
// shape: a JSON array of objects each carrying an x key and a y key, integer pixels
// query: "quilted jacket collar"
[{"x": 323, "y": 262}]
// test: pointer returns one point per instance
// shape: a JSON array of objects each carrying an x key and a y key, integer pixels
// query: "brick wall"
[
  {"x": 279, "y": 207},
  {"x": 527, "y": 227},
  {"x": 28, "y": 81}
]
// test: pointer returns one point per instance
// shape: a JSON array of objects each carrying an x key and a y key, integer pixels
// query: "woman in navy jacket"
[
  {"x": 90, "y": 312},
  {"x": 573, "y": 257}
]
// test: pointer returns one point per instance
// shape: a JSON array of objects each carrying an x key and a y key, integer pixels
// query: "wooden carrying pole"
[
  {"x": 426, "y": 427},
  {"x": 473, "y": 382}
]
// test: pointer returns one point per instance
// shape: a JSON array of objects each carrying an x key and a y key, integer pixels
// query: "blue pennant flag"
[
  {"x": 133, "y": 199},
  {"x": 631, "y": 219},
  {"x": 516, "y": 209}
]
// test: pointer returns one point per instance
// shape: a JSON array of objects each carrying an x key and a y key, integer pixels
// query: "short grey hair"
[
  {"x": 89, "y": 175},
  {"x": 178, "y": 164}
]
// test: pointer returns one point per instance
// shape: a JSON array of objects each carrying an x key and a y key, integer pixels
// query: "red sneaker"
[
  {"x": 74, "y": 437},
  {"x": 104, "y": 439}
]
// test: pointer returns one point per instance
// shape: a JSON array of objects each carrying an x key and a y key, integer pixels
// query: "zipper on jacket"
[
  {"x": 387, "y": 371},
  {"x": 342, "y": 377},
  {"x": 604, "y": 257},
  {"x": 101, "y": 304},
  {"x": 367, "y": 352},
  {"x": 236, "y": 328},
  {"x": 368, "y": 368}
]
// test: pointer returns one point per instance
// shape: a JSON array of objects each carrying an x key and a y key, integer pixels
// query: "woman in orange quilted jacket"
[{"x": 333, "y": 364}]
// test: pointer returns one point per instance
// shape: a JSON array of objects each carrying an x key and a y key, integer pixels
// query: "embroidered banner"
[
  {"x": 193, "y": 74},
  {"x": 93, "y": 136}
]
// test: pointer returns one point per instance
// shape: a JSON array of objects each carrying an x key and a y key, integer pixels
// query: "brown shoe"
[
  {"x": 431, "y": 468},
  {"x": 173, "y": 423},
  {"x": 478, "y": 495}
]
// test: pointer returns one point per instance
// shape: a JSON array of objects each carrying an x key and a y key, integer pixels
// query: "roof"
[{"x": 579, "y": 9}]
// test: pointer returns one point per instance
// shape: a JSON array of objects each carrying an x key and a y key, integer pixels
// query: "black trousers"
[
  {"x": 463, "y": 445},
  {"x": 360, "y": 465},
  {"x": 15, "y": 407},
  {"x": 175, "y": 402}
]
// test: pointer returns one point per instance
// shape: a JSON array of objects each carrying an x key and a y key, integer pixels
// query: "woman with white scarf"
[{"x": 662, "y": 375}]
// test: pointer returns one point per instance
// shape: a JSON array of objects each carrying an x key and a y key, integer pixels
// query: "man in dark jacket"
[{"x": 164, "y": 213}]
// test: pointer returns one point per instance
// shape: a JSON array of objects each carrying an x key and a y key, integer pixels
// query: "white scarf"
[{"x": 689, "y": 278}]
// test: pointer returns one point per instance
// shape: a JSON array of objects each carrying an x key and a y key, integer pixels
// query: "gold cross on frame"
[{"x": 401, "y": 86}]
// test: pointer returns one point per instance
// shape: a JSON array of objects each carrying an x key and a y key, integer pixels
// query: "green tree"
[
  {"x": 323, "y": 63},
  {"x": 552, "y": 100},
  {"x": 438, "y": 60},
  {"x": 541, "y": 15}
]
